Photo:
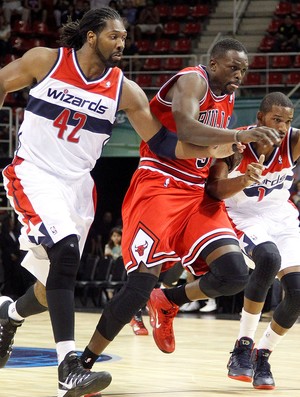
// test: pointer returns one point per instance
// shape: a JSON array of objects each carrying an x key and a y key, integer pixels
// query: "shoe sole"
[
  {"x": 93, "y": 387},
  {"x": 139, "y": 333},
  {"x": 264, "y": 387},
  {"x": 93, "y": 395},
  {"x": 241, "y": 378},
  {"x": 153, "y": 317}
]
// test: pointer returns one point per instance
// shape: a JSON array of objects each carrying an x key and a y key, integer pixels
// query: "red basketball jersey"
[{"x": 214, "y": 110}]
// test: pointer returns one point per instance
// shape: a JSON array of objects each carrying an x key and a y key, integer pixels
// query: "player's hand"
[
  {"x": 226, "y": 150},
  {"x": 254, "y": 172},
  {"x": 238, "y": 147},
  {"x": 267, "y": 136}
]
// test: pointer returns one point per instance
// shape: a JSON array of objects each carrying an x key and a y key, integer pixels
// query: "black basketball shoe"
[
  {"x": 263, "y": 378},
  {"x": 8, "y": 329},
  {"x": 240, "y": 365},
  {"x": 75, "y": 381}
]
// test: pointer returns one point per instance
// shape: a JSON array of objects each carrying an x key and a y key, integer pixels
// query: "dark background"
[{"x": 112, "y": 177}]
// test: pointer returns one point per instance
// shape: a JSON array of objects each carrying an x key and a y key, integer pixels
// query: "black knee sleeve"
[
  {"x": 172, "y": 275},
  {"x": 28, "y": 305},
  {"x": 267, "y": 261},
  {"x": 120, "y": 310},
  {"x": 288, "y": 311},
  {"x": 228, "y": 275},
  {"x": 64, "y": 262}
]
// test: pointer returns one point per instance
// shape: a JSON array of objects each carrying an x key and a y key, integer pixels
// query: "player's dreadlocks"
[{"x": 73, "y": 33}]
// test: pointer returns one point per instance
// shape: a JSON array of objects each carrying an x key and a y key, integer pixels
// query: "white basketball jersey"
[
  {"x": 70, "y": 115},
  {"x": 276, "y": 182}
]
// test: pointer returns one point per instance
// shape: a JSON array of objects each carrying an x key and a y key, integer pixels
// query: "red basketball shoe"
[
  {"x": 138, "y": 325},
  {"x": 162, "y": 313}
]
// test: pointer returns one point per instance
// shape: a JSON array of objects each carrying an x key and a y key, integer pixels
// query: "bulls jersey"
[
  {"x": 71, "y": 115},
  {"x": 277, "y": 179},
  {"x": 214, "y": 110}
]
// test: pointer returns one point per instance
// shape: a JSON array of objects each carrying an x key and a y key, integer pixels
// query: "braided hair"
[{"x": 73, "y": 33}]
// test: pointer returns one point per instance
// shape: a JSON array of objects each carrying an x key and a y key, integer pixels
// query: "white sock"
[
  {"x": 64, "y": 348},
  {"x": 269, "y": 340},
  {"x": 248, "y": 324},
  {"x": 12, "y": 312}
]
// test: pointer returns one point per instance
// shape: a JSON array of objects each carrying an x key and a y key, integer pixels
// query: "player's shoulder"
[
  {"x": 295, "y": 132},
  {"x": 40, "y": 57},
  {"x": 39, "y": 60},
  {"x": 295, "y": 136}
]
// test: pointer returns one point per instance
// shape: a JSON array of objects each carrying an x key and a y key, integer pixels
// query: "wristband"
[
  {"x": 164, "y": 143},
  {"x": 236, "y": 136}
]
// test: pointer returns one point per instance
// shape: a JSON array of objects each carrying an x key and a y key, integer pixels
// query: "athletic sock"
[
  {"x": 177, "y": 295},
  {"x": 88, "y": 358},
  {"x": 13, "y": 313},
  {"x": 63, "y": 348},
  {"x": 248, "y": 324},
  {"x": 269, "y": 340}
]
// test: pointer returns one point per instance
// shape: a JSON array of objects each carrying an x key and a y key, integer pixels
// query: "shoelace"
[
  {"x": 167, "y": 320},
  {"x": 242, "y": 356},
  {"x": 77, "y": 372},
  {"x": 263, "y": 366}
]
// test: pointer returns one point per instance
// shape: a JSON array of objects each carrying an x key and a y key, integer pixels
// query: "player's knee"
[
  {"x": 120, "y": 310},
  {"x": 228, "y": 275},
  {"x": 40, "y": 293},
  {"x": 288, "y": 311},
  {"x": 267, "y": 261},
  {"x": 64, "y": 262}
]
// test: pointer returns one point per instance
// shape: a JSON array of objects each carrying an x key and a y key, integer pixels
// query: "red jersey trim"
[
  {"x": 70, "y": 72},
  {"x": 204, "y": 241},
  {"x": 15, "y": 192},
  {"x": 156, "y": 165}
]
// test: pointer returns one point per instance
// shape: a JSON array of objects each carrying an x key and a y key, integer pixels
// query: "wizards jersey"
[
  {"x": 70, "y": 116},
  {"x": 277, "y": 179},
  {"x": 214, "y": 110}
]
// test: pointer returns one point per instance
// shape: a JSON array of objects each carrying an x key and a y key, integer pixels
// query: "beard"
[{"x": 108, "y": 62}]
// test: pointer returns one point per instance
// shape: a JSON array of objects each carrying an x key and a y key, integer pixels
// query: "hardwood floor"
[{"x": 197, "y": 368}]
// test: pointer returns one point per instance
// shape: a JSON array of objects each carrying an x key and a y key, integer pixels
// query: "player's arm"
[
  {"x": 188, "y": 150},
  {"x": 161, "y": 141},
  {"x": 186, "y": 93},
  {"x": 24, "y": 71},
  {"x": 222, "y": 187}
]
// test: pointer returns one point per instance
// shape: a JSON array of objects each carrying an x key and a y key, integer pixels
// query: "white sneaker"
[
  {"x": 190, "y": 307},
  {"x": 211, "y": 305}
]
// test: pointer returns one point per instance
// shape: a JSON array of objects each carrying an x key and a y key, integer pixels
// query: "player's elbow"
[
  {"x": 184, "y": 135},
  {"x": 213, "y": 190},
  {"x": 182, "y": 127}
]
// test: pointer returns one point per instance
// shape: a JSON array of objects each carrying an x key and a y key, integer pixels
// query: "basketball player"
[
  {"x": 75, "y": 94},
  {"x": 167, "y": 217},
  {"x": 256, "y": 194}
]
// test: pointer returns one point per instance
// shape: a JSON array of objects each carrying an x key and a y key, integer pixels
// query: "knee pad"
[
  {"x": 64, "y": 263},
  {"x": 228, "y": 275},
  {"x": 288, "y": 310},
  {"x": 122, "y": 307},
  {"x": 267, "y": 261}
]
